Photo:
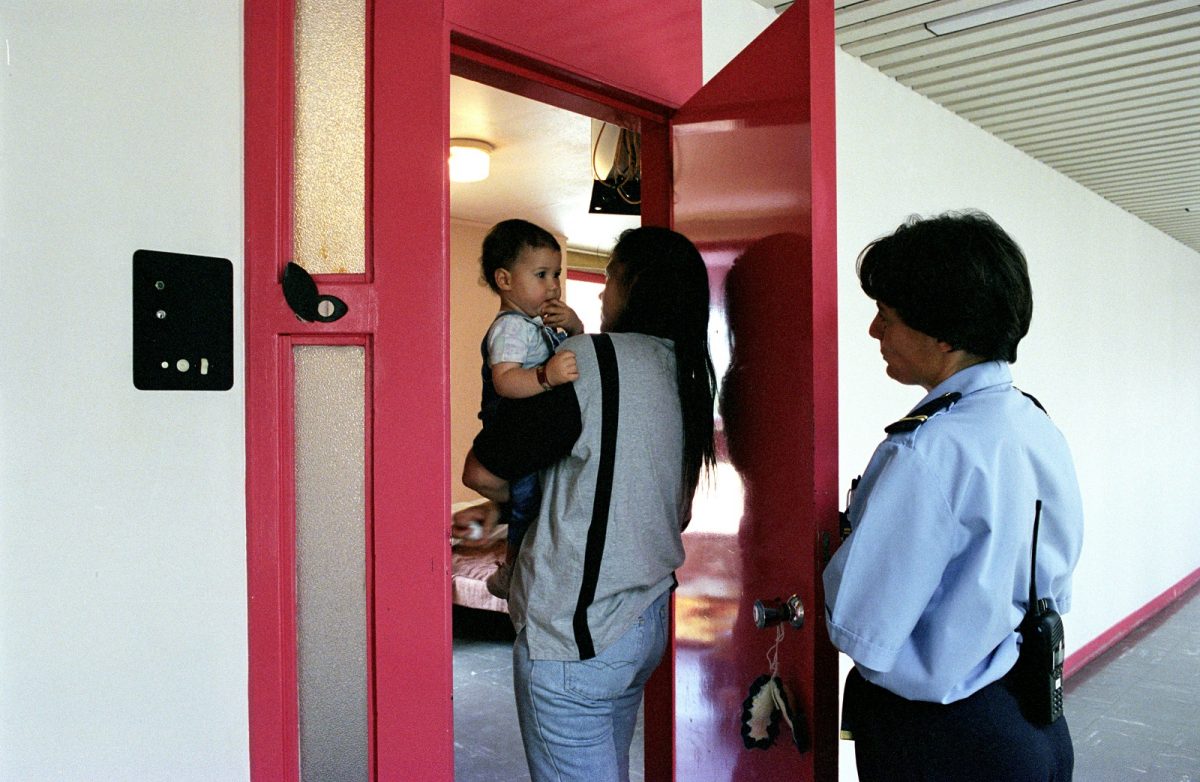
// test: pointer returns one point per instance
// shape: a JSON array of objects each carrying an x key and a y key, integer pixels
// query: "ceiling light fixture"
[
  {"x": 470, "y": 159},
  {"x": 993, "y": 13}
]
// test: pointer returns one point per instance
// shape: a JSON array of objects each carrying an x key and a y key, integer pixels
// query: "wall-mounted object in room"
[
  {"x": 182, "y": 322},
  {"x": 616, "y": 171}
]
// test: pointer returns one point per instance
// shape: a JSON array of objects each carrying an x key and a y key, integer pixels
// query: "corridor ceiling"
[{"x": 1105, "y": 91}]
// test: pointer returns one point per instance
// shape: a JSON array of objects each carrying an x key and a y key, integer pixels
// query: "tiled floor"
[{"x": 1134, "y": 712}]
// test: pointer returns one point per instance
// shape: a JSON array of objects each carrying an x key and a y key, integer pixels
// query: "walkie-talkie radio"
[{"x": 1040, "y": 665}]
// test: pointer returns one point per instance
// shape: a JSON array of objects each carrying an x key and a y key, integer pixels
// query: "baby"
[{"x": 522, "y": 263}]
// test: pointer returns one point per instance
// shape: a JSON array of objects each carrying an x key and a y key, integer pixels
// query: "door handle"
[
  {"x": 300, "y": 291},
  {"x": 772, "y": 612}
]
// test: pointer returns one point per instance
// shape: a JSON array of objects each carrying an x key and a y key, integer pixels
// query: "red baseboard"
[{"x": 1113, "y": 635}]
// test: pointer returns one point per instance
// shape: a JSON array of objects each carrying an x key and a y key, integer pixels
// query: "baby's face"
[{"x": 534, "y": 279}]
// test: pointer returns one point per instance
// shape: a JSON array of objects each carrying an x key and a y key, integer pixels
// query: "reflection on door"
[{"x": 753, "y": 182}]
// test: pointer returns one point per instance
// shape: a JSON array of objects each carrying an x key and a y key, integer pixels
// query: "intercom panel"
[{"x": 182, "y": 322}]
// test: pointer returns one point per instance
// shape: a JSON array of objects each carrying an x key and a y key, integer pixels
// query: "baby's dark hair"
[{"x": 504, "y": 243}]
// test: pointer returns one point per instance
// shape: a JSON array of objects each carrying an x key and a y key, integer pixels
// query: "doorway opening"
[{"x": 544, "y": 160}]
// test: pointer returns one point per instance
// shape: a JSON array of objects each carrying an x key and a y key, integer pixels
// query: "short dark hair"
[
  {"x": 504, "y": 244},
  {"x": 957, "y": 277}
]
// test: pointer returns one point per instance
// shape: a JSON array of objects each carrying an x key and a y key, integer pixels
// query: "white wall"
[
  {"x": 122, "y": 512},
  {"x": 727, "y": 26},
  {"x": 1111, "y": 351}
]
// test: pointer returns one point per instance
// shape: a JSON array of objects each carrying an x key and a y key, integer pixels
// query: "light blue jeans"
[{"x": 578, "y": 716}]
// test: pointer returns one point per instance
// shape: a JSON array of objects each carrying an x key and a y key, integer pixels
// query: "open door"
[
  {"x": 753, "y": 185},
  {"x": 754, "y": 188}
]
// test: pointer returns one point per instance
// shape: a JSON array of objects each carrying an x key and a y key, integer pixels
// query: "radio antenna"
[{"x": 1037, "y": 515}]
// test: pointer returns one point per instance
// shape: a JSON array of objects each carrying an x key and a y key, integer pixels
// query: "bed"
[{"x": 471, "y": 565}]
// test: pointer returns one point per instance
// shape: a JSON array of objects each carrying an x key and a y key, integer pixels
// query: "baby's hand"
[
  {"x": 561, "y": 368},
  {"x": 557, "y": 315}
]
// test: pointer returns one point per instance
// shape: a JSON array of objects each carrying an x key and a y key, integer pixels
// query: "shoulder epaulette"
[
  {"x": 919, "y": 416},
  {"x": 1035, "y": 401}
]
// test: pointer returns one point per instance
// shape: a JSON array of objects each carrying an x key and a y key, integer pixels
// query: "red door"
[
  {"x": 754, "y": 187},
  {"x": 396, "y": 618}
]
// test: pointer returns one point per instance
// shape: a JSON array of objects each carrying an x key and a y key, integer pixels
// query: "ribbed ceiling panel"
[{"x": 1105, "y": 91}]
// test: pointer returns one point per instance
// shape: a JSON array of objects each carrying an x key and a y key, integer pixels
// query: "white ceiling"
[
  {"x": 1105, "y": 91},
  {"x": 541, "y": 166}
]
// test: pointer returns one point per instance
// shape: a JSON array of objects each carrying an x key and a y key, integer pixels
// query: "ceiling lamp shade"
[{"x": 470, "y": 159}]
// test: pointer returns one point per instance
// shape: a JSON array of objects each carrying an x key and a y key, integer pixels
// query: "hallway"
[{"x": 1134, "y": 712}]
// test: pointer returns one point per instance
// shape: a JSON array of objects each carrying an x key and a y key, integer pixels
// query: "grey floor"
[
  {"x": 487, "y": 740},
  {"x": 1134, "y": 712}
]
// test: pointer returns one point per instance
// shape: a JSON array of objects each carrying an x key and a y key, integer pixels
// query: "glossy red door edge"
[
  {"x": 826, "y": 492},
  {"x": 767, "y": 229}
]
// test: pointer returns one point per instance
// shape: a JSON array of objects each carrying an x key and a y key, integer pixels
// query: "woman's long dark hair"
[{"x": 666, "y": 295}]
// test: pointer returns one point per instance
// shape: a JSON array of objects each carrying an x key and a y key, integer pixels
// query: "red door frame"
[
  {"x": 406, "y": 509},
  {"x": 482, "y": 62},
  {"x": 407, "y": 349}
]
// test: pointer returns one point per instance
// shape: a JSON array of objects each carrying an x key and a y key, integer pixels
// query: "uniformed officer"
[{"x": 927, "y": 592}]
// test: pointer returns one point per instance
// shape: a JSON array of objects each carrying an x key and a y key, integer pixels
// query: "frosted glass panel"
[
  {"x": 328, "y": 185},
  {"x": 331, "y": 603}
]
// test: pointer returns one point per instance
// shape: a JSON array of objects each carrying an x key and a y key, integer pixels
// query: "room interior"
[{"x": 540, "y": 169}]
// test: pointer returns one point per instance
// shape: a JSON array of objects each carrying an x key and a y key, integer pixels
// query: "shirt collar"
[{"x": 976, "y": 377}]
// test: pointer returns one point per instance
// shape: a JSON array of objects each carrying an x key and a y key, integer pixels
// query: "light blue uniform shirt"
[{"x": 926, "y": 593}]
